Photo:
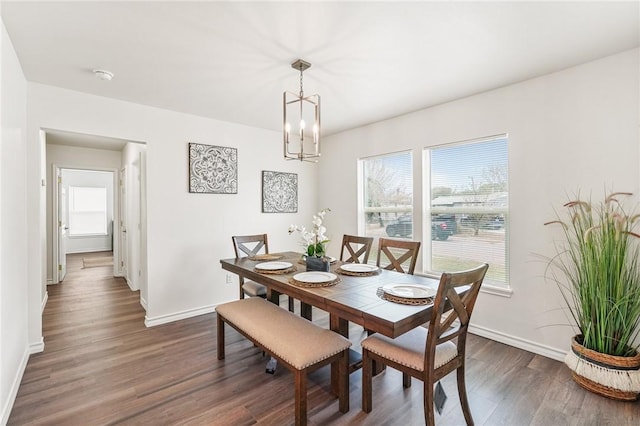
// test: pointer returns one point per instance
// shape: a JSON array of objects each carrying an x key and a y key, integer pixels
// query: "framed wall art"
[
  {"x": 213, "y": 169},
  {"x": 279, "y": 192}
]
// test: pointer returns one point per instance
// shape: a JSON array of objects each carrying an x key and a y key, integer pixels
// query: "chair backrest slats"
[
  {"x": 450, "y": 305},
  {"x": 242, "y": 244},
  {"x": 398, "y": 252},
  {"x": 358, "y": 248}
]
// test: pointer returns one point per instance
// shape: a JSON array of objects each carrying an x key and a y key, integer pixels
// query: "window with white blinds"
[
  {"x": 387, "y": 197},
  {"x": 87, "y": 211},
  {"x": 468, "y": 189}
]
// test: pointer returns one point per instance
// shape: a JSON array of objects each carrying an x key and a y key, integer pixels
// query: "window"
[
  {"x": 87, "y": 211},
  {"x": 468, "y": 189},
  {"x": 387, "y": 197}
]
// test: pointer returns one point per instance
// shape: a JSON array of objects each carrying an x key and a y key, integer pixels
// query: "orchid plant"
[{"x": 314, "y": 240}]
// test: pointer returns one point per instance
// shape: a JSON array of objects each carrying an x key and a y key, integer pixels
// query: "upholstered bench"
[{"x": 294, "y": 341}]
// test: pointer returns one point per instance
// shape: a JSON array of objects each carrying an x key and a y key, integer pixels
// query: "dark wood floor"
[{"x": 101, "y": 366}]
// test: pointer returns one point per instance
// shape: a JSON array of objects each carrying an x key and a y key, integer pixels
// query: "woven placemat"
[
  {"x": 276, "y": 271},
  {"x": 403, "y": 300},
  {"x": 358, "y": 274},
  {"x": 266, "y": 257},
  {"x": 297, "y": 283}
]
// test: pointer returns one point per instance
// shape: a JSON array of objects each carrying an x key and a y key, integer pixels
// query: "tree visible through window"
[
  {"x": 469, "y": 196},
  {"x": 87, "y": 211},
  {"x": 387, "y": 191}
]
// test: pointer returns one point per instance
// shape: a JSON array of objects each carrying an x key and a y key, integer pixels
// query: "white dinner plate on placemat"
[
  {"x": 409, "y": 291},
  {"x": 273, "y": 266},
  {"x": 315, "y": 277},
  {"x": 358, "y": 267}
]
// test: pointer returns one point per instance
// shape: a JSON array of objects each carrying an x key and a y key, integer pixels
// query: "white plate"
[
  {"x": 358, "y": 267},
  {"x": 315, "y": 277},
  {"x": 273, "y": 266},
  {"x": 409, "y": 291}
]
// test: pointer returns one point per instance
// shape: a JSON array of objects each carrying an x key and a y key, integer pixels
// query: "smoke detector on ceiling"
[{"x": 103, "y": 74}]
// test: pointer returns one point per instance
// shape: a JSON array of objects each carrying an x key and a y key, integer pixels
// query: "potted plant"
[
  {"x": 597, "y": 271},
  {"x": 315, "y": 242}
]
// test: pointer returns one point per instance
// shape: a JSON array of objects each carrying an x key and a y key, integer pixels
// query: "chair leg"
[
  {"x": 406, "y": 380},
  {"x": 367, "y": 375},
  {"x": 462, "y": 393},
  {"x": 220, "y": 336},
  {"x": 301, "y": 397},
  {"x": 291, "y": 308},
  {"x": 429, "y": 410}
]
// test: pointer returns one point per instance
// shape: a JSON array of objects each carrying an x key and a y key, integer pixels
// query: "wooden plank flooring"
[{"x": 101, "y": 366}]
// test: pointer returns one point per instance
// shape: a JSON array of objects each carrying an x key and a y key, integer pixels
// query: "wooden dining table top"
[{"x": 354, "y": 298}]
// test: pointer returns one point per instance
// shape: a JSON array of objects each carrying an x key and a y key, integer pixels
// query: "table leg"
[
  {"x": 305, "y": 311},
  {"x": 340, "y": 326},
  {"x": 273, "y": 296}
]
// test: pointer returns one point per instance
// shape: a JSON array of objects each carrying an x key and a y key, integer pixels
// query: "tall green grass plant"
[{"x": 596, "y": 269}]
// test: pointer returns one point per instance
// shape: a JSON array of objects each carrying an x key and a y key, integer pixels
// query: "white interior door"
[
  {"x": 124, "y": 263},
  {"x": 62, "y": 229}
]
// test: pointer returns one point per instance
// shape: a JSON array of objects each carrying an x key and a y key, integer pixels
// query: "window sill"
[
  {"x": 496, "y": 291},
  {"x": 486, "y": 288},
  {"x": 81, "y": 236}
]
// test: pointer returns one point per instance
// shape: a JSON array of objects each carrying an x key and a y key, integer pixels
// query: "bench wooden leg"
[
  {"x": 367, "y": 370},
  {"x": 220, "y": 337},
  {"x": 301, "y": 397}
]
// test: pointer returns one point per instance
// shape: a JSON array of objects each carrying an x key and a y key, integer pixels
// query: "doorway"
[
  {"x": 83, "y": 211},
  {"x": 121, "y": 159}
]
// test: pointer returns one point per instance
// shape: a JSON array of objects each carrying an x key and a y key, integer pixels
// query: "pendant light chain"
[{"x": 301, "y": 92}]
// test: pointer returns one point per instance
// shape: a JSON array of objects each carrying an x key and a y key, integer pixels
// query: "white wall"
[
  {"x": 572, "y": 130},
  {"x": 71, "y": 157},
  {"x": 14, "y": 343},
  {"x": 91, "y": 179},
  {"x": 187, "y": 233}
]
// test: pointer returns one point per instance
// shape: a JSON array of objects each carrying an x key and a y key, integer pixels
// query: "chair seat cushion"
[
  {"x": 253, "y": 289},
  {"x": 408, "y": 349}
]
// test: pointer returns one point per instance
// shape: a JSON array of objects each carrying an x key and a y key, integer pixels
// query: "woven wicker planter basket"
[{"x": 615, "y": 377}]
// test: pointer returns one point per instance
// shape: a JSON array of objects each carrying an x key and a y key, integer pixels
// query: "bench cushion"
[{"x": 295, "y": 340}]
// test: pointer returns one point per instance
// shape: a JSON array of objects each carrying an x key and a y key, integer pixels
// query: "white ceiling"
[{"x": 371, "y": 60}]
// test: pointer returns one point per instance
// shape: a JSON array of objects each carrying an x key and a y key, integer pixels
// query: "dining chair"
[
  {"x": 248, "y": 246},
  {"x": 357, "y": 248},
  {"x": 396, "y": 253},
  {"x": 429, "y": 354}
]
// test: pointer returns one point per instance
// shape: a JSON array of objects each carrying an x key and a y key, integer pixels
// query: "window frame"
[
  {"x": 489, "y": 286},
  {"x": 71, "y": 212}
]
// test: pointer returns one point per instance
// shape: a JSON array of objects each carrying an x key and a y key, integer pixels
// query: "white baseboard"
[
  {"x": 13, "y": 391},
  {"x": 143, "y": 302},
  {"x": 519, "y": 343},
  {"x": 36, "y": 348},
  {"x": 50, "y": 281},
  {"x": 163, "y": 319},
  {"x": 44, "y": 301}
]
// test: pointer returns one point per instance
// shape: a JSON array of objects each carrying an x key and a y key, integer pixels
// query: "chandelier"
[{"x": 301, "y": 124}]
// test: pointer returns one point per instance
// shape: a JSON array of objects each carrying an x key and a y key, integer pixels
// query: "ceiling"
[{"x": 370, "y": 60}]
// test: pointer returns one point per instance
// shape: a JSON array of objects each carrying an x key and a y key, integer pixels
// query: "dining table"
[{"x": 356, "y": 299}]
